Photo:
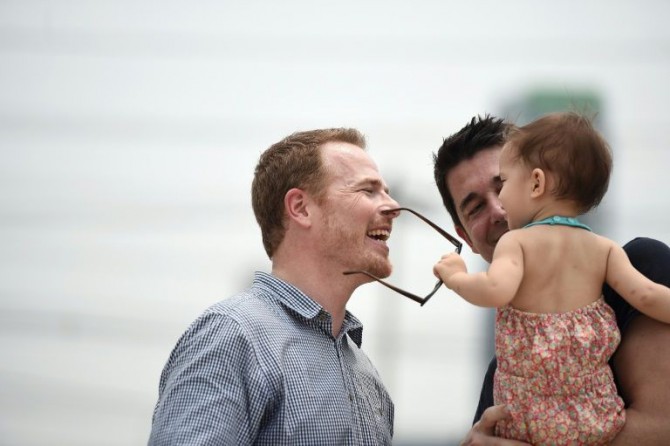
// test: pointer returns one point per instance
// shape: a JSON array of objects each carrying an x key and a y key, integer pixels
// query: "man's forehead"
[
  {"x": 475, "y": 176},
  {"x": 482, "y": 164},
  {"x": 468, "y": 175},
  {"x": 376, "y": 181},
  {"x": 345, "y": 155},
  {"x": 352, "y": 165},
  {"x": 341, "y": 150}
]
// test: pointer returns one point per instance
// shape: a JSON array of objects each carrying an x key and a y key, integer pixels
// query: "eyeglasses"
[{"x": 414, "y": 297}]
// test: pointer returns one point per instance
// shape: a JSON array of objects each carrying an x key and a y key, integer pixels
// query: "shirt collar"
[{"x": 299, "y": 302}]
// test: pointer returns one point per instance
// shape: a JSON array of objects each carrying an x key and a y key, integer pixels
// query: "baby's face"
[{"x": 517, "y": 186}]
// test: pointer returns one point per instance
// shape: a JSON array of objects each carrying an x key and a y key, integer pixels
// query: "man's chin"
[
  {"x": 503, "y": 232},
  {"x": 494, "y": 241},
  {"x": 380, "y": 270},
  {"x": 486, "y": 253}
]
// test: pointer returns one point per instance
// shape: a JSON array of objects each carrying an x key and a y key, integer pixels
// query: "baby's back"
[{"x": 564, "y": 268}]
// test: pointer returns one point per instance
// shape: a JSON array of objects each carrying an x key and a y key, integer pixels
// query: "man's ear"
[
  {"x": 296, "y": 206},
  {"x": 464, "y": 235},
  {"x": 538, "y": 183}
]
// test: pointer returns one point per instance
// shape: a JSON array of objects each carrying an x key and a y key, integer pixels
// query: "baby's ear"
[{"x": 538, "y": 183}]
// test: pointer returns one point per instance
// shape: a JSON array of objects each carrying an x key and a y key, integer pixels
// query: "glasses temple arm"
[
  {"x": 442, "y": 232},
  {"x": 409, "y": 295}
]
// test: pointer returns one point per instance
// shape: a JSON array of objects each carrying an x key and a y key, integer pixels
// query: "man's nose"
[
  {"x": 391, "y": 204},
  {"x": 498, "y": 214}
]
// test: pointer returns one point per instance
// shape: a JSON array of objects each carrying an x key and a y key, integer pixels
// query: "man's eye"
[{"x": 473, "y": 210}]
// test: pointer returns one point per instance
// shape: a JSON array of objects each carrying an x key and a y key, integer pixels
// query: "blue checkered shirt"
[{"x": 263, "y": 368}]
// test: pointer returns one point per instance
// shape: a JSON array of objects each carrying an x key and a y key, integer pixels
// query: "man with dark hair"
[
  {"x": 281, "y": 362},
  {"x": 467, "y": 176},
  {"x": 471, "y": 156}
]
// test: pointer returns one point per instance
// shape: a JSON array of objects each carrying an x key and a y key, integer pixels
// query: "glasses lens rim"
[{"x": 421, "y": 300}]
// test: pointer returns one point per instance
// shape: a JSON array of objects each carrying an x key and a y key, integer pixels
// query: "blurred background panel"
[{"x": 129, "y": 131}]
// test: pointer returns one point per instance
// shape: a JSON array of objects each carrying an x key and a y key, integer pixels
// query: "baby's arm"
[
  {"x": 646, "y": 296},
  {"x": 494, "y": 288}
]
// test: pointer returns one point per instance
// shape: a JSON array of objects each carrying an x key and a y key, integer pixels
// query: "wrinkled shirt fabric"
[{"x": 262, "y": 368}]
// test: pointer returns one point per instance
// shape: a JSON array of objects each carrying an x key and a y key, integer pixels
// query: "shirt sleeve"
[
  {"x": 650, "y": 257},
  {"x": 211, "y": 391}
]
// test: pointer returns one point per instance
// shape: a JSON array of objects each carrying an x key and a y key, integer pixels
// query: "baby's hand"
[{"x": 449, "y": 265}]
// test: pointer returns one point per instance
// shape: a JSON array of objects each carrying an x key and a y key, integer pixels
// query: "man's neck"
[{"x": 329, "y": 290}]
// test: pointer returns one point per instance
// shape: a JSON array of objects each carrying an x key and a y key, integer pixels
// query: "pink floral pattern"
[{"x": 553, "y": 375}]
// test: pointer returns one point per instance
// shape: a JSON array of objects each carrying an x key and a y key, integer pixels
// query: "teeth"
[{"x": 381, "y": 234}]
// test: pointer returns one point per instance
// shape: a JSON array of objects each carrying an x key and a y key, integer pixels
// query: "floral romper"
[{"x": 554, "y": 376}]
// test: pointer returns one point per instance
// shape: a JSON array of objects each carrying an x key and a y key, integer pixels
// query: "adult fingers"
[{"x": 482, "y": 433}]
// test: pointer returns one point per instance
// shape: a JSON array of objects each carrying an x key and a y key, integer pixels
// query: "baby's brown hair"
[{"x": 567, "y": 145}]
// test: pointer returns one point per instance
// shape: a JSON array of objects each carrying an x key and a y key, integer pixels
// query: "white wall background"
[{"x": 128, "y": 135}]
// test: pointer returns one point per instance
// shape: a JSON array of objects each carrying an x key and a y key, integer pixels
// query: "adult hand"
[{"x": 482, "y": 433}]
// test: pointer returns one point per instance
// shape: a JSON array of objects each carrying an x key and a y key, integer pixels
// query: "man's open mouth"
[{"x": 380, "y": 234}]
